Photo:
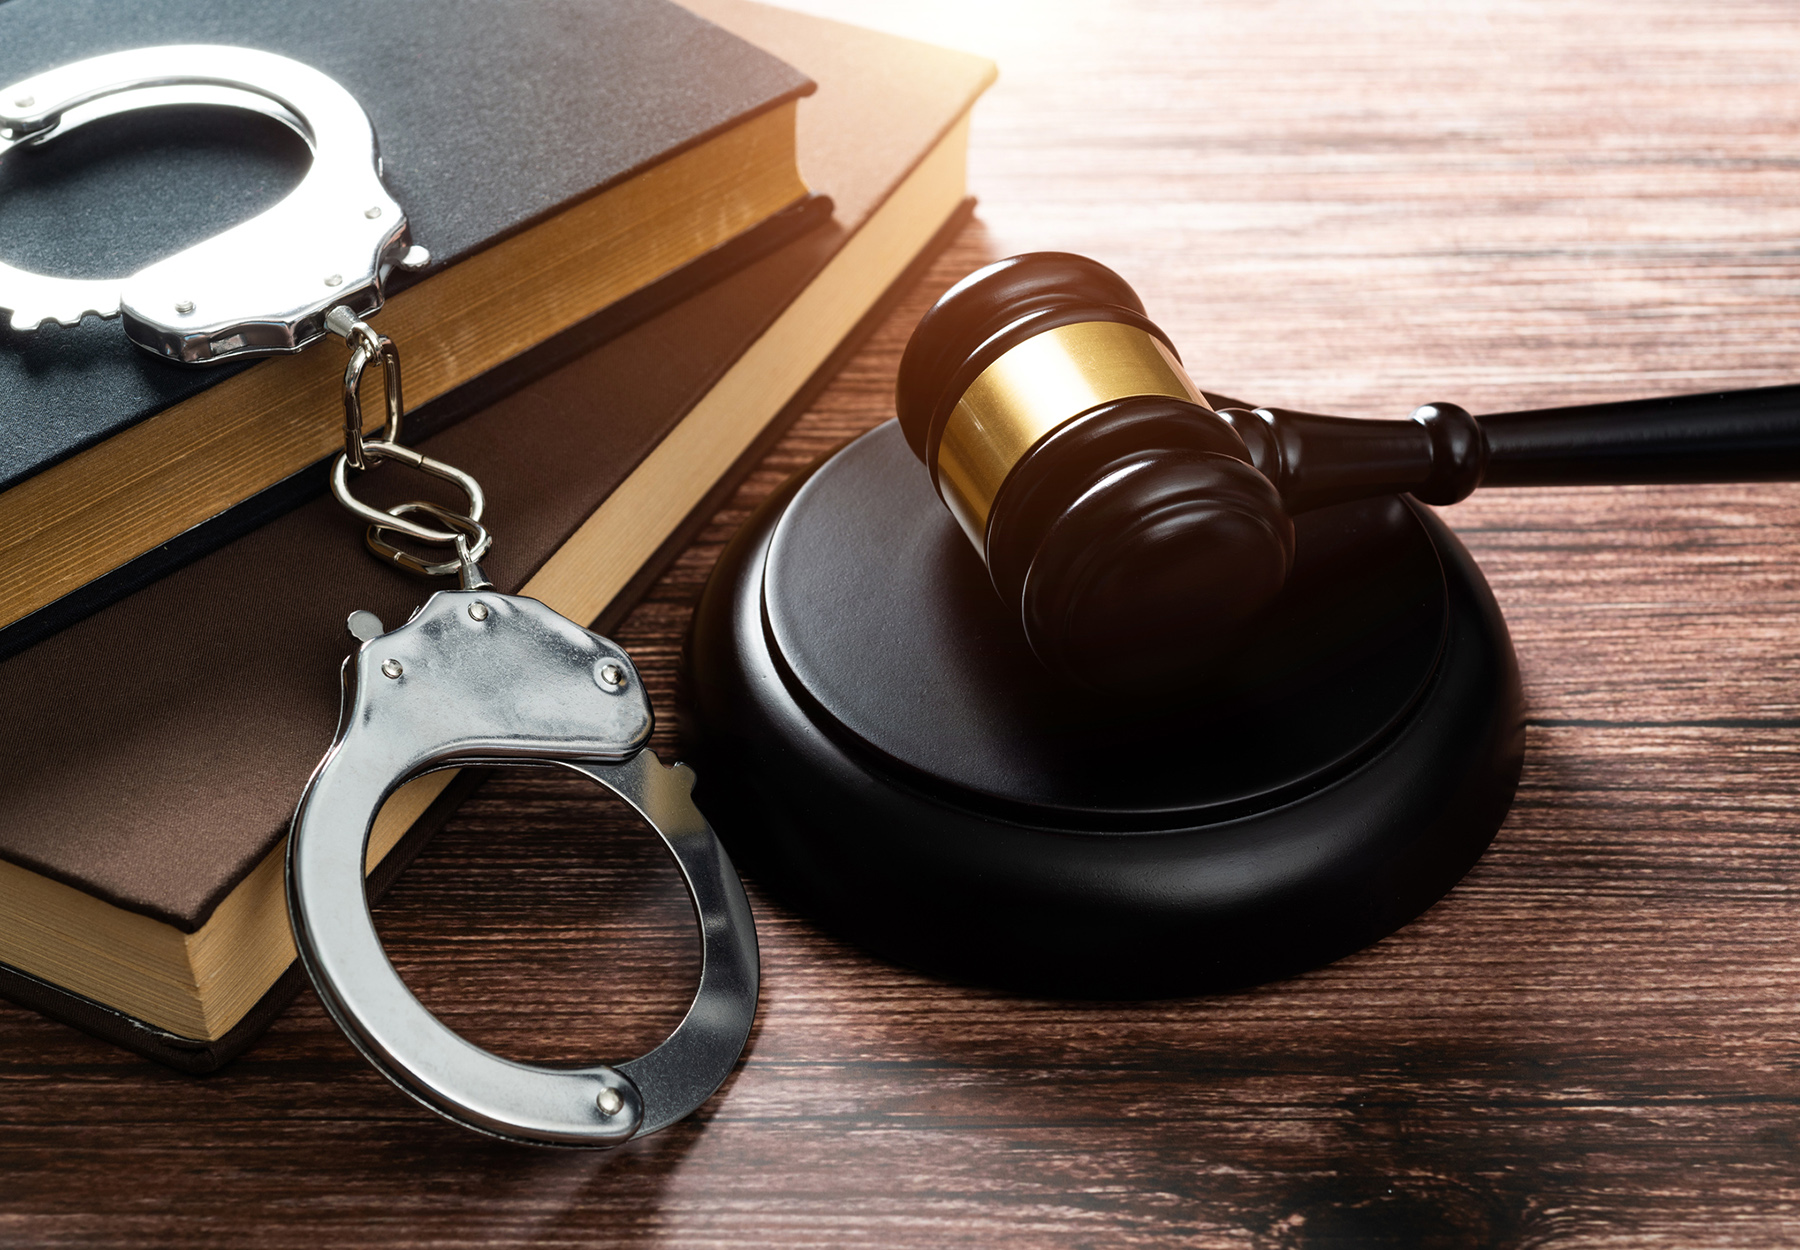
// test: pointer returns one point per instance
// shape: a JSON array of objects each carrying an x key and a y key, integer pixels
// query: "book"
[
  {"x": 554, "y": 156},
  {"x": 143, "y": 814}
]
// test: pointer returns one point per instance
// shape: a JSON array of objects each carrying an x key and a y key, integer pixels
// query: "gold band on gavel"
[{"x": 1035, "y": 387}]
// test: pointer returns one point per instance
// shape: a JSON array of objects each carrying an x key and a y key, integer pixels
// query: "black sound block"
[{"x": 876, "y": 744}]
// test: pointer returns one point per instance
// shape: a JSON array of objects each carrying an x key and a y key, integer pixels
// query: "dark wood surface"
[{"x": 1593, "y": 1041}]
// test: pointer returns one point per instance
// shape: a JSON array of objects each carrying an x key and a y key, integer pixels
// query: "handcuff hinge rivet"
[
  {"x": 609, "y": 1101},
  {"x": 336, "y": 279},
  {"x": 612, "y": 676},
  {"x": 372, "y": 213},
  {"x": 478, "y": 611},
  {"x": 25, "y": 101},
  {"x": 392, "y": 668},
  {"x": 184, "y": 307}
]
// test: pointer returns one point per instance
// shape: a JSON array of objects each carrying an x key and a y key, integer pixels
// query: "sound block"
[{"x": 876, "y": 744}]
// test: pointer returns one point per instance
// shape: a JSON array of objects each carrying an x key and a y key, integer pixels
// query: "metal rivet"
[
  {"x": 364, "y": 625},
  {"x": 416, "y": 258},
  {"x": 610, "y": 1101},
  {"x": 478, "y": 611},
  {"x": 184, "y": 307},
  {"x": 610, "y": 676},
  {"x": 392, "y": 668},
  {"x": 372, "y": 213},
  {"x": 336, "y": 279},
  {"x": 24, "y": 101}
]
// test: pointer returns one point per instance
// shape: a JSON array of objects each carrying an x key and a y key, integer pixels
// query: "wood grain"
[{"x": 1594, "y": 1041}]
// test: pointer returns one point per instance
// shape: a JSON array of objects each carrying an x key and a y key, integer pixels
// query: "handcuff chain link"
[
  {"x": 464, "y": 530},
  {"x": 366, "y": 345}
]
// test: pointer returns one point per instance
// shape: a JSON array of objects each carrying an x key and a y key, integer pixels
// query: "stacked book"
[{"x": 655, "y": 233}]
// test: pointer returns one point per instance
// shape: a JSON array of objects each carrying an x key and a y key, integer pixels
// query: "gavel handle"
[
  {"x": 1441, "y": 453},
  {"x": 1722, "y": 436}
]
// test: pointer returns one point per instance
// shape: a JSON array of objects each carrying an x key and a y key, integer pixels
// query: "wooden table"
[{"x": 1595, "y": 1040}]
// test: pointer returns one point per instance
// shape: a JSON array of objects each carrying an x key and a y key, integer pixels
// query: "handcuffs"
[{"x": 474, "y": 677}]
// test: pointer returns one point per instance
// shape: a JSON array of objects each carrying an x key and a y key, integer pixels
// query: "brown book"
[
  {"x": 643, "y": 140},
  {"x": 155, "y": 750}
]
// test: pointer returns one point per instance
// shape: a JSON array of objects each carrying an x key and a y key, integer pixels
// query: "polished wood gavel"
[{"x": 1124, "y": 511}]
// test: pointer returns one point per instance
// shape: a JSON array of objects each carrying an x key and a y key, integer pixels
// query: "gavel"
[{"x": 1129, "y": 517}]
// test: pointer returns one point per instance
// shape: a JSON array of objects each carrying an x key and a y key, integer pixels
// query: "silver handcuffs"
[
  {"x": 475, "y": 677},
  {"x": 483, "y": 678},
  {"x": 263, "y": 286}
]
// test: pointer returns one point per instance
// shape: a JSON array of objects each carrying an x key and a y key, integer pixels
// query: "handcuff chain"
[{"x": 464, "y": 531}]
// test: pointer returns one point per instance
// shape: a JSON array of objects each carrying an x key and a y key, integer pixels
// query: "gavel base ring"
[{"x": 878, "y": 747}]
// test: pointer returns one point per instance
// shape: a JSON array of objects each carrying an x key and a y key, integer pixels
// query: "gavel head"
[{"x": 1116, "y": 512}]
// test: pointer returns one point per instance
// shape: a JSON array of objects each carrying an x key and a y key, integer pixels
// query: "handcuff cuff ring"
[{"x": 478, "y": 677}]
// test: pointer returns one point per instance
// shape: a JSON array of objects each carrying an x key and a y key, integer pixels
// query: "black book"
[{"x": 573, "y": 166}]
